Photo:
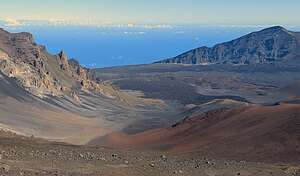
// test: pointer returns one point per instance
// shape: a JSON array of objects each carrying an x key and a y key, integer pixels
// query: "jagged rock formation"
[
  {"x": 41, "y": 73},
  {"x": 270, "y": 45}
]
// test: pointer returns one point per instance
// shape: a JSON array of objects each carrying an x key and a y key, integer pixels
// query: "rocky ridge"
[
  {"x": 274, "y": 44},
  {"x": 41, "y": 73}
]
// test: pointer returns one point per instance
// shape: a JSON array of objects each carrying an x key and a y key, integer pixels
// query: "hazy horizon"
[
  {"x": 230, "y": 12},
  {"x": 106, "y": 46},
  {"x": 102, "y": 33}
]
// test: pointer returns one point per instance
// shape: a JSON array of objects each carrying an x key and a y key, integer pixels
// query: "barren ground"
[{"x": 29, "y": 156}]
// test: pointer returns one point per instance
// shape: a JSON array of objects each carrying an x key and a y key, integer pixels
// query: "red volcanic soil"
[{"x": 254, "y": 133}]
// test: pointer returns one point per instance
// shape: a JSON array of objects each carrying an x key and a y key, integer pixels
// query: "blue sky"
[{"x": 236, "y": 12}]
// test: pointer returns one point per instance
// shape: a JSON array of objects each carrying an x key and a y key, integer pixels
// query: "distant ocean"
[{"x": 115, "y": 46}]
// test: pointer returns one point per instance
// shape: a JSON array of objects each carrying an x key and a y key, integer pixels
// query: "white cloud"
[
  {"x": 10, "y": 22},
  {"x": 92, "y": 65},
  {"x": 179, "y": 32},
  {"x": 134, "y": 32}
]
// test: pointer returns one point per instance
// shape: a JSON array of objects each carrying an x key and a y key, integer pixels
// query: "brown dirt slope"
[{"x": 256, "y": 133}]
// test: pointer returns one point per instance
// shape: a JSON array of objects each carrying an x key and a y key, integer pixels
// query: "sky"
[{"x": 222, "y": 12}]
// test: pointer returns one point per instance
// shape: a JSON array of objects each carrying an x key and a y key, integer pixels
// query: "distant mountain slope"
[{"x": 266, "y": 46}]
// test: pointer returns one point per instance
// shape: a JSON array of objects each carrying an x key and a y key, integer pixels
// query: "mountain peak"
[
  {"x": 274, "y": 29},
  {"x": 274, "y": 44}
]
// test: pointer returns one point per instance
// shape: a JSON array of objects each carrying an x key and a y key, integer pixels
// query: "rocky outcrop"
[
  {"x": 275, "y": 44},
  {"x": 39, "y": 72},
  {"x": 63, "y": 61}
]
